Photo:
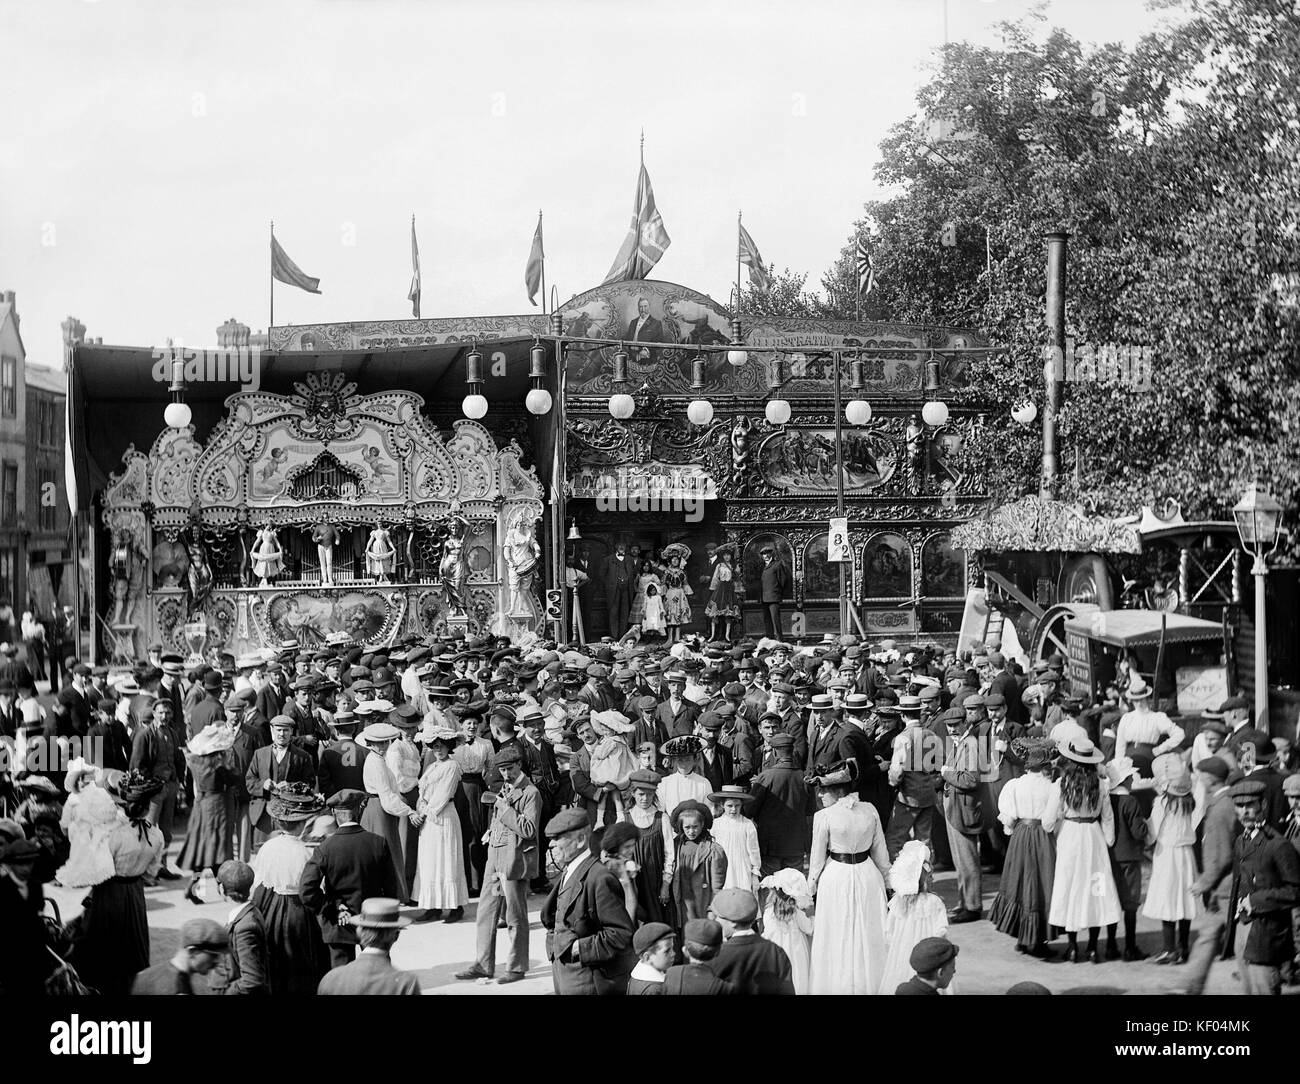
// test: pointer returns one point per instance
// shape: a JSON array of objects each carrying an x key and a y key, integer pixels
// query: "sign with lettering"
[
  {"x": 1078, "y": 663},
  {"x": 837, "y": 542},
  {"x": 1201, "y": 688}
]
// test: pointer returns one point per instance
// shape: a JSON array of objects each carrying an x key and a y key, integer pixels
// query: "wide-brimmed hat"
[
  {"x": 790, "y": 881},
  {"x": 430, "y": 734},
  {"x": 1138, "y": 689},
  {"x": 379, "y": 732},
  {"x": 295, "y": 802},
  {"x": 905, "y": 873},
  {"x": 730, "y": 790},
  {"x": 135, "y": 786},
  {"x": 213, "y": 738},
  {"x": 380, "y": 913},
  {"x": 838, "y": 775},
  {"x": 691, "y": 806},
  {"x": 77, "y": 768},
  {"x": 1080, "y": 749},
  {"x": 684, "y": 745}
]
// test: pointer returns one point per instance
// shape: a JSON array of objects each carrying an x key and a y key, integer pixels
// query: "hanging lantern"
[
  {"x": 538, "y": 401},
  {"x": 537, "y": 361},
  {"x": 699, "y": 411},
  {"x": 935, "y": 414},
  {"x": 737, "y": 354},
  {"x": 857, "y": 411},
  {"x": 474, "y": 366},
  {"x": 474, "y": 406},
  {"x": 697, "y": 373},
  {"x": 621, "y": 406},
  {"x": 1025, "y": 413},
  {"x": 620, "y": 367},
  {"x": 856, "y": 378},
  {"x": 177, "y": 415},
  {"x": 777, "y": 412}
]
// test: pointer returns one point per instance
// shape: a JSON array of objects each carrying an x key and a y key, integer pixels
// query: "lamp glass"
[
  {"x": 935, "y": 413},
  {"x": 699, "y": 411},
  {"x": 177, "y": 415},
  {"x": 1257, "y": 515},
  {"x": 857, "y": 411},
  {"x": 737, "y": 357},
  {"x": 1024, "y": 414},
  {"x": 538, "y": 401},
  {"x": 777, "y": 412},
  {"x": 621, "y": 406},
  {"x": 474, "y": 406}
]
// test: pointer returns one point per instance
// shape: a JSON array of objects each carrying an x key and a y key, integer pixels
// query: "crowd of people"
[{"x": 701, "y": 817}]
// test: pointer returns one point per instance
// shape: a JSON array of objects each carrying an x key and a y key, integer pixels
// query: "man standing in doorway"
[
  {"x": 618, "y": 589},
  {"x": 774, "y": 586}
]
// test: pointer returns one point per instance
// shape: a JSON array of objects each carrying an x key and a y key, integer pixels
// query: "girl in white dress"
[
  {"x": 652, "y": 619},
  {"x": 645, "y": 578},
  {"x": 846, "y": 868},
  {"x": 1083, "y": 887},
  {"x": 1171, "y": 898},
  {"x": 90, "y": 816},
  {"x": 738, "y": 836},
  {"x": 786, "y": 922},
  {"x": 915, "y": 913},
  {"x": 441, "y": 852}
]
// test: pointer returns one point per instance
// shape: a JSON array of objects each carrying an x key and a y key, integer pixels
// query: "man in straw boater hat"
[
  {"x": 378, "y": 926},
  {"x": 348, "y": 867},
  {"x": 511, "y": 863},
  {"x": 588, "y": 929}
]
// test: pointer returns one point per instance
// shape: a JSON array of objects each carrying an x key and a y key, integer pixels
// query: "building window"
[
  {"x": 9, "y": 495},
  {"x": 48, "y": 425},
  {"x": 47, "y": 507},
  {"x": 8, "y": 569},
  {"x": 9, "y": 387}
]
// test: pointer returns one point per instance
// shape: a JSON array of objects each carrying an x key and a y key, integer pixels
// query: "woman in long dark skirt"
[
  {"x": 1025, "y": 897},
  {"x": 296, "y": 955},
  {"x": 473, "y": 755},
  {"x": 654, "y": 848},
  {"x": 208, "y": 839},
  {"x": 111, "y": 942}
]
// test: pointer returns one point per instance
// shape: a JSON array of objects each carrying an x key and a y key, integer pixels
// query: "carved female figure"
[
  {"x": 453, "y": 569},
  {"x": 521, "y": 551},
  {"x": 268, "y": 558},
  {"x": 200, "y": 571},
  {"x": 381, "y": 556}
]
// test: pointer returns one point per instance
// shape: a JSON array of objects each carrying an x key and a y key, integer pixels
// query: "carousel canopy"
[
  {"x": 1034, "y": 524},
  {"x": 115, "y": 400},
  {"x": 1141, "y": 628}
]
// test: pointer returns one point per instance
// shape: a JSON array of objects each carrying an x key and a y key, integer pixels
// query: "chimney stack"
[{"x": 232, "y": 335}]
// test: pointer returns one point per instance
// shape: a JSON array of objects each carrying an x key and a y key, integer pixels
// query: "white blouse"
[{"x": 1023, "y": 799}]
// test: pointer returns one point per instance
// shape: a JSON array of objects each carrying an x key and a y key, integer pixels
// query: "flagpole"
[
  {"x": 857, "y": 274},
  {"x": 271, "y": 322},
  {"x": 739, "y": 306},
  {"x": 539, "y": 230}
]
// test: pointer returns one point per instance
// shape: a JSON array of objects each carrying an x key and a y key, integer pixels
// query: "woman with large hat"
[
  {"x": 1025, "y": 891},
  {"x": 111, "y": 943},
  {"x": 654, "y": 847},
  {"x": 386, "y": 805},
  {"x": 1083, "y": 886},
  {"x": 846, "y": 870},
  {"x": 441, "y": 865},
  {"x": 296, "y": 954},
  {"x": 208, "y": 838}
]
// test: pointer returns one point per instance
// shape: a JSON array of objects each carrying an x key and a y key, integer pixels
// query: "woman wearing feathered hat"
[
  {"x": 1083, "y": 887},
  {"x": 296, "y": 954},
  {"x": 209, "y": 839},
  {"x": 442, "y": 886},
  {"x": 111, "y": 943},
  {"x": 1025, "y": 892},
  {"x": 846, "y": 870}
]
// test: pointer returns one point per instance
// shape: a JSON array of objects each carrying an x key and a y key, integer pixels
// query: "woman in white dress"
[
  {"x": 441, "y": 854},
  {"x": 915, "y": 913},
  {"x": 1083, "y": 887},
  {"x": 846, "y": 872},
  {"x": 1171, "y": 898}
]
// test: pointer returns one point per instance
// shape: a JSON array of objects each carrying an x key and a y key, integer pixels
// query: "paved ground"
[{"x": 988, "y": 964}]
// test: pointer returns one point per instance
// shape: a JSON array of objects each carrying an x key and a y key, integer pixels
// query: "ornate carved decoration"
[{"x": 1032, "y": 523}]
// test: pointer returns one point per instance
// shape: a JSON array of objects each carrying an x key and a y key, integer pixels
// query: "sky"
[{"x": 145, "y": 147}]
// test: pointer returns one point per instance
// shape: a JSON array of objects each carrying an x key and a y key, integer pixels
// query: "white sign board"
[
  {"x": 1201, "y": 688},
  {"x": 837, "y": 542}
]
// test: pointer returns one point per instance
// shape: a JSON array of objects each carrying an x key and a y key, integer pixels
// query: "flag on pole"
[
  {"x": 533, "y": 272},
  {"x": 646, "y": 237},
  {"x": 750, "y": 257},
  {"x": 413, "y": 294},
  {"x": 287, "y": 271},
  {"x": 866, "y": 266}
]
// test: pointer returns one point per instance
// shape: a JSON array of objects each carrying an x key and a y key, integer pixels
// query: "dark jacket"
[
  {"x": 682, "y": 721},
  {"x": 110, "y": 745},
  {"x": 207, "y": 711},
  {"x": 161, "y": 980},
  {"x": 1267, "y": 872},
  {"x": 342, "y": 764},
  {"x": 350, "y": 866},
  {"x": 780, "y": 809},
  {"x": 154, "y": 752},
  {"x": 754, "y": 965},
  {"x": 1219, "y": 831},
  {"x": 1130, "y": 828},
  {"x": 246, "y": 966},
  {"x": 915, "y": 986},
  {"x": 588, "y": 932},
  {"x": 720, "y": 772},
  {"x": 296, "y": 767},
  {"x": 695, "y": 980},
  {"x": 774, "y": 582},
  {"x": 24, "y": 964}
]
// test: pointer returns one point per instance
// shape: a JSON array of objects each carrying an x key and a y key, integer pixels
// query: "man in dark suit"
[
  {"x": 1254, "y": 751},
  {"x": 829, "y": 744},
  {"x": 250, "y": 736},
  {"x": 588, "y": 930},
  {"x": 750, "y": 963},
  {"x": 619, "y": 576},
  {"x": 644, "y": 328},
  {"x": 73, "y": 706},
  {"x": 1004, "y": 684},
  {"x": 209, "y": 710},
  {"x": 153, "y": 752},
  {"x": 350, "y": 866},
  {"x": 10, "y": 716},
  {"x": 342, "y": 761},
  {"x": 677, "y": 714},
  {"x": 1265, "y": 886},
  {"x": 274, "y": 764},
  {"x": 110, "y": 745},
  {"x": 780, "y": 809},
  {"x": 774, "y": 585},
  {"x": 934, "y": 959},
  {"x": 715, "y": 759}
]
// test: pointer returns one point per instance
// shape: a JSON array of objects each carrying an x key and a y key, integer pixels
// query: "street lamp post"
[{"x": 1257, "y": 515}]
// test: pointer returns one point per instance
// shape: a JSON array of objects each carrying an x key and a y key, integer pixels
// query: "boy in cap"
[
  {"x": 246, "y": 967},
  {"x": 748, "y": 962},
  {"x": 378, "y": 926},
  {"x": 653, "y": 944},
  {"x": 202, "y": 945},
  {"x": 701, "y": 940},
  {"x": 935, "y": 962}
]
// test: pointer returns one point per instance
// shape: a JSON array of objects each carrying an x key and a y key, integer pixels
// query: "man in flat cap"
[
  {"x": 1255, "y": 753},
  {"x": 272, "y": 766},
  {"x": 588, "y": 929},
  {"x": 752, "y": 964},
  {"x": 512, "y": 861},
  {"x": 934, "y": 959},
  {"x": 781, "y": 809},
  {"x": 1219, "y": 831},
  {"x": 203, "y": 944},
  {"x": 350, "y": 866},
  {"x": 1265, "y": 887}
]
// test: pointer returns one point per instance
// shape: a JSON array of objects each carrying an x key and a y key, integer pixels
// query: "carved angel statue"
[
  {"x": 453, "y": 568},
  {"x": 200, "y": 571},
  {"x": 381, "y": 555},
  {"x": 521, "y": 551},
  {"x": 268, "y": 557}
]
